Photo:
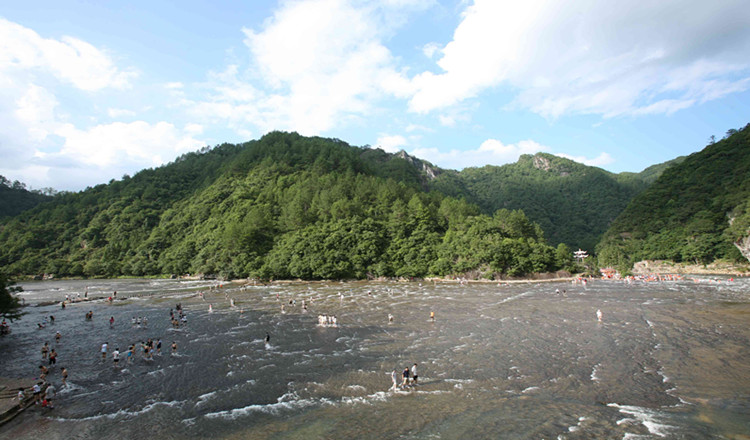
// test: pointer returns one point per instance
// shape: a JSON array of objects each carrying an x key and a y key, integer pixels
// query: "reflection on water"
[{"x": 669, "y": 359}]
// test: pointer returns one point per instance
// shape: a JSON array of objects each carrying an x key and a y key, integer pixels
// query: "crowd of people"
[{"x": 43, "y": 391}]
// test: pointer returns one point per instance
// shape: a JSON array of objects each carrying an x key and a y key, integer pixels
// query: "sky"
[{"x": 93, "y": 90}]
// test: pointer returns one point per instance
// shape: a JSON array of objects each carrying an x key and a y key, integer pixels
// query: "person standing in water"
[
  {"x": 49, "y": 393},
  {"x": 116, "y": 357},
  {"x": 64, "y": 374},
  {"x": 104, "y": 351},
  {"x": 599, "y": 315},
  {"x": 405, "y": 374},
  {"x": 394, "y": 378},
  {"x": 432, "y": 316},
  {"x": 414, "y": 375}
]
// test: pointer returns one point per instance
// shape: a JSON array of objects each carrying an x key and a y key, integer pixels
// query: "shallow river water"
[{"x": 522, "y": 361}]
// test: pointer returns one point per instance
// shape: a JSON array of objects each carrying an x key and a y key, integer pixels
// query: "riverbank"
[{"x": 670, "y": 267}]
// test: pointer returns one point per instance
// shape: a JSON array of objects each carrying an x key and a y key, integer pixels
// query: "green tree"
[{"x": 10, "y": 307}]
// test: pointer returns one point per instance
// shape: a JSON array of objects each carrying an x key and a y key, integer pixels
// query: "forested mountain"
[
  {"x": 573, "y": 203},
  {"x": 15, "y": 198},
  {"x": 695, "y": 211},
  {"x": 284, "y": 206}
]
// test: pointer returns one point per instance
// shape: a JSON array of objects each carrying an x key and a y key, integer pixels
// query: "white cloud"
[
  {"x": 593, "y": 57},
  {"x": 316, "y": 65},
  {"x": 391, "y": 144},
  {"x": 68, "y": 59},
  {"x": 35, "y": 111},
  {"x": 599, "y": 161},
  {"x": 490, "y": 152},
  {"x": 39, "y": 141},
  {"x": 97, "y": 154},
  {"x": 135, "y": 143},
  {"x": 430, "y": 49},
  {"x": 116, "y": 113}
]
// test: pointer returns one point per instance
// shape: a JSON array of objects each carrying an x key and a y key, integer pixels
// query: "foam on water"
[
  {"x": 122, "y": 413},
  {"x": 649, "y": 418}
]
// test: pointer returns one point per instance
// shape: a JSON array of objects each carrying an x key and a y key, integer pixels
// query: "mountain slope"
[
  {"x": 685, "y": 215},
  {"x": 15, "y": 198},
  {"x": 284, "y": 206},
  {"x": 573, "y": 203}
]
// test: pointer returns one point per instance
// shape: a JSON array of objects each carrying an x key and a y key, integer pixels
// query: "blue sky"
[{"x": 93, "y": 90}]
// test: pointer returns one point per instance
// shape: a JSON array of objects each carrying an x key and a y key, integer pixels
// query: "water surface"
[{"x": 527, "y": 361}]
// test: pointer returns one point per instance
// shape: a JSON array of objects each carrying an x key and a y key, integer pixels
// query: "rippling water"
[{"x": 669, "y": 360}]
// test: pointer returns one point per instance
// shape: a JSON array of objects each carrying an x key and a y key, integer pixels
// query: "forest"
[
  {"x": 573, "y": 203},
  {"x": 694, "y": 212},
  {"x": 284, "y": 206},
  {"x": 15, "y": 198},
  {"x": 287, "y": 206}
]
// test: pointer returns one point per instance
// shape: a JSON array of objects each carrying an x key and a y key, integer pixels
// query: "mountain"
[
  {"x": 573, "y": 203},
  {"x": 284, "y": 206},
  {"x": 15, "y": 198},
  {"x": 697, "y": 211},
  {"x": 650, "y": 174}
]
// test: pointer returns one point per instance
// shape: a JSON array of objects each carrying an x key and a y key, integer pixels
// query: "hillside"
[
  {"x": 573, "y": 203},
  {"x": 284, "y": 206},
  {"x": 15, "y": 198},
  {"x": 694, "y": 212}
]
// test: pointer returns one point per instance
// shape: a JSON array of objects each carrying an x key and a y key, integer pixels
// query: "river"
[{"x": 669, "y": 359}]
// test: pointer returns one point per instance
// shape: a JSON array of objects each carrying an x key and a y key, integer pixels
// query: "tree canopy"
[
  {"x": 693, "y": 212},
  {"x": 10, "y": 307},
  {"x": 284, "y": 206}
]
